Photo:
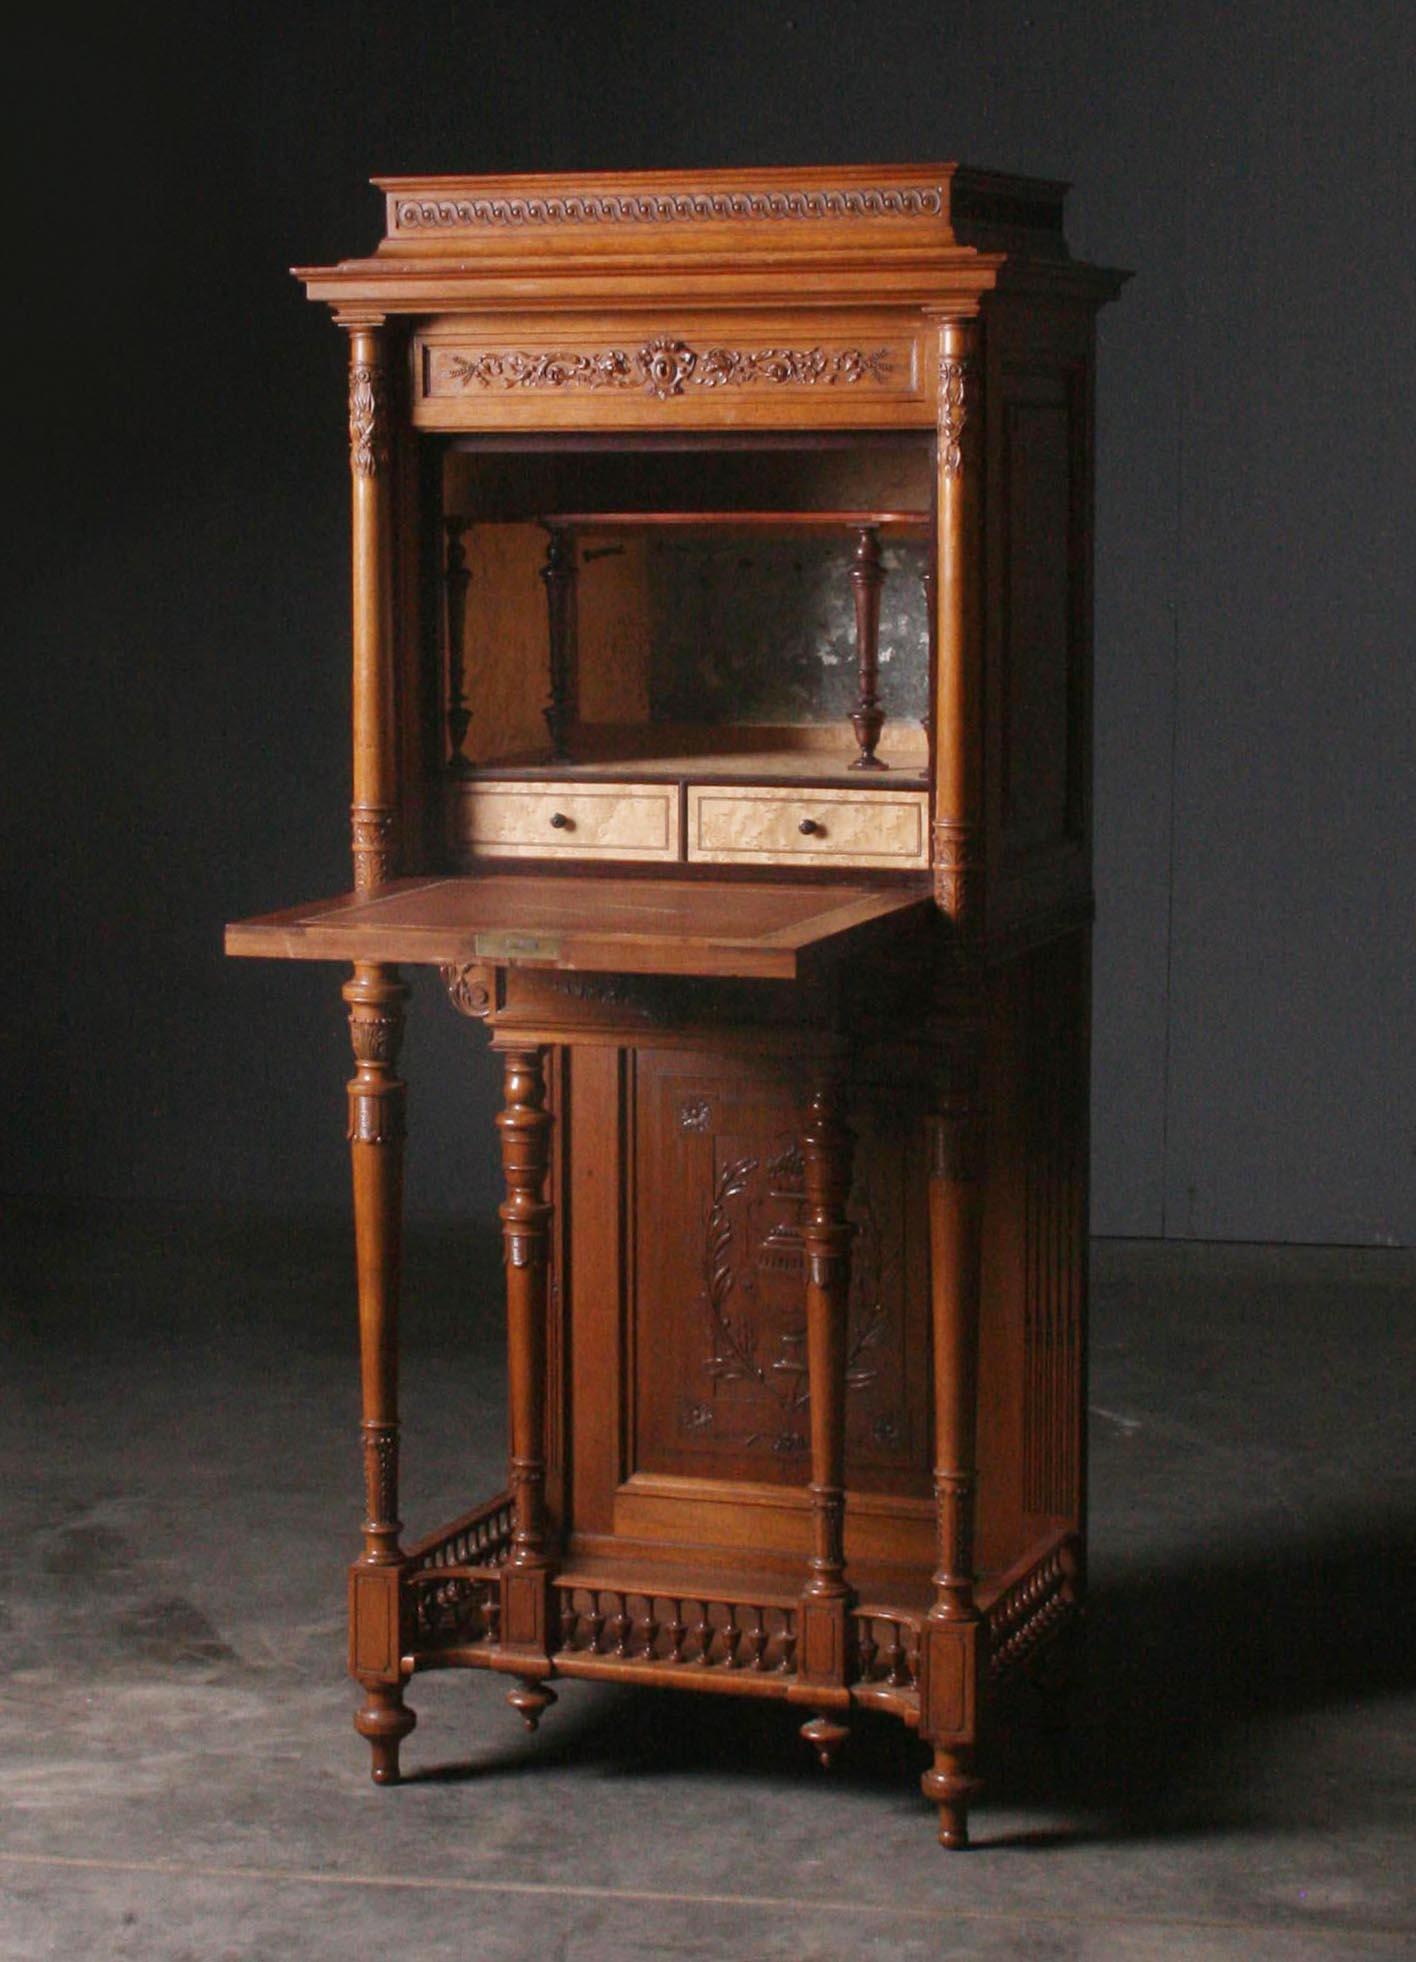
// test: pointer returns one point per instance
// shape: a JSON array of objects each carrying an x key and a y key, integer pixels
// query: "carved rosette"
[
  {"x": 610, "y": 208},
  {"x": 469, "y": 989},
  {"x": 368, "y": 419},
  {"x": 956, "y": 388},
  {"x": 958, "y": 872},
  {"x": 667, "y": 366},
  {"x": 373, "y": 838}
]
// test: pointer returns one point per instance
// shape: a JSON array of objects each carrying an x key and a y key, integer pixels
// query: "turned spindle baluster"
[
  {"x": 595, "y": 1622},
  {"x": 456, "y": 579},
  {"x": 646, "y": 1629},
  {"x": 703, "y": 1633},
  {"x": 675, "y": 1628},
  {"x": 377, "y": 1097},
  {"x": 826, "y": 1622},
  {"x": 619, "y": 1626},
  {"x": 867, "y": 577},
  {"x": 866, "y": 1647},
  {"x": 524, "y": 1125},
  {"x": 558, "y": 577}
]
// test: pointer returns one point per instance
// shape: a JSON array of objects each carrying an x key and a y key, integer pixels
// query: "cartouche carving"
[
  {"x": 956, "y": 386},
  {"x": 610, "y": 208},
  {"x": 368, "y": 437},
  {"x": 665, "y": 367}
]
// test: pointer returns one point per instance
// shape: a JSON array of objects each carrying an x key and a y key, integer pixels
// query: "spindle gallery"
[{"x": 721, "y": 651}]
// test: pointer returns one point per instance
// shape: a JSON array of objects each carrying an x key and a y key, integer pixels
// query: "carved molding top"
[
  {"x": 666, "y": 366},
  {"x": 426, "y": 214}
]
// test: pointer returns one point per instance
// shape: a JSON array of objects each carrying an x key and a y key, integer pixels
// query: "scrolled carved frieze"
[
  {"x": 664, "y": 366},
  {"x": 957, "y": 379},
  {"x": 420, "y": 214}
]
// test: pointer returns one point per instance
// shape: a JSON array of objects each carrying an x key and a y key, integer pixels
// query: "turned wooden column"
[
  {"x": 524, "y": 1125},
  {"x": 376, "y": 998},
  {"x": 825, "y": 1647},
  {"x": 867, "y": 577},
  {"x": 952, "y": 1644},
  {"x": 558, "y": 577},
  {"x": 958, "y": 667},
  {"x": 373, "y": 814}
]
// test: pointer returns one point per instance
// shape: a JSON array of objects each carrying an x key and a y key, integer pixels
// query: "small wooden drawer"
[
  {"x": 760, "y": 826},
  {"x": 566, "y": 820}
]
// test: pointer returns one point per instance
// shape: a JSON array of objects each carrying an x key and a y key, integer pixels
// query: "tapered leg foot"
[
  {"x": 951, "y": 1784},
  {"x": 385, "y": 1720},
  {"x": 825, "y": 1736},
  {"x": 530, "y": 1697}
]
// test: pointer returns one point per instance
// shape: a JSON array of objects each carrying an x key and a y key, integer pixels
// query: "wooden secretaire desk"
[{"x": 722, "y": 603}]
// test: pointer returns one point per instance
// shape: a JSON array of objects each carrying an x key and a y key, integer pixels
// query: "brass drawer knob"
[{"x": 808, "y": 827}]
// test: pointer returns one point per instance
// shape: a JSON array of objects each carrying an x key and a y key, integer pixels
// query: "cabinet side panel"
[
  {"x": 1038, "y": 572},
  {"x": 1033, "y": 1348}
]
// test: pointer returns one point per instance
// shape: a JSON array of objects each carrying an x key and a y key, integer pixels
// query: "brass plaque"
[{"x": 516, "y": 947}]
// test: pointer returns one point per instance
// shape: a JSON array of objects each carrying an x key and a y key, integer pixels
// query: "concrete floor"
[{"x": 180, "y": 1779}]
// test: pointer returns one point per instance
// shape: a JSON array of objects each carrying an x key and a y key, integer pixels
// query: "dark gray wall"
[{"x": 175, "y": 643}]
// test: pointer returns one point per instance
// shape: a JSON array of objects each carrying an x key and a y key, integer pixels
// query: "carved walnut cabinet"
[{"x": 721, "y": 550}]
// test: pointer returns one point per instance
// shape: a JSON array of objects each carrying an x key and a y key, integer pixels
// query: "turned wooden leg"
[
  {"x": 376, "y": 1120},
  {"x": 524, "y": 1125},
  {"x": 952, "y": 1648},
  {"x": 825, "y": 1648}
]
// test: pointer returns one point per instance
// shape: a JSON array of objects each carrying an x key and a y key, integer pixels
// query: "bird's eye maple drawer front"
[
  {"x": 566, "y": 820},
  {"x": 763, "y": 826}
]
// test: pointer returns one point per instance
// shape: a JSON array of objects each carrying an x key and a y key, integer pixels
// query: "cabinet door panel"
[{"x": 718, "y": 1310}]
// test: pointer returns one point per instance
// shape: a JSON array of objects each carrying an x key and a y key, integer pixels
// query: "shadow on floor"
[{"x": 1194, "y": 1708}]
